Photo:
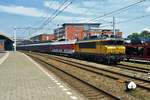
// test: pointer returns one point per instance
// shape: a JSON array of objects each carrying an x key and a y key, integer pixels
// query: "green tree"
[
  {"x": 145, "y": 34},
  {"x": 134, "y": 37}
]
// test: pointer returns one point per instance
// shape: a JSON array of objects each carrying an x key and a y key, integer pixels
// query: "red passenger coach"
[
  {"x": 138, "y": 51},
  {"x": 58, "y": 47},
  {"x": 64, "y": 47}
]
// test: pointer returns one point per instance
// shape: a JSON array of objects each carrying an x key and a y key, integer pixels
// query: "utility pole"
[
  {"x": 29, "y": 30},
  {"x": 14, "y": 33},
  {"x": 114, "y": 29},
  {"x": 58, "y": 31}
]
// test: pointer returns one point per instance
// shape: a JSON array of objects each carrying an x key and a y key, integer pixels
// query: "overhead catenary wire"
[
  {"x": 60, "y": 9},
  {"x": 44, "y": 15},
  {"x": 133, "y": 19},
  {"x": 106, "y": 26},
  {"x": 54, "y": 13},
  {"x": 118, "y": 10},
  {"x": 55, "y": 16},
  {"x": 129, "y": 20},
  {"x": 24, "y": 29},
  {"x": 58, "y": 13}
]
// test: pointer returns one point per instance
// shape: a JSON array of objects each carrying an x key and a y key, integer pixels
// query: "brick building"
[
  {"x": 73, "y": 31},
  {"x": 43, "y": 37},
  {"x": 80, "y": 31},
  {"x": 108, "y": 32}
]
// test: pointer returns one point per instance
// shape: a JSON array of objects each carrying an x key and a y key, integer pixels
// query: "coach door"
[{"x": 148, "y": 53}]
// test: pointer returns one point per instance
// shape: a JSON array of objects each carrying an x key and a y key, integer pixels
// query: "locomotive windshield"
[{"x": 113, "y": 42}]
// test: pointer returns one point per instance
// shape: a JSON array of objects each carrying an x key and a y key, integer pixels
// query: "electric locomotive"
[{"x": 104, "y": 50}]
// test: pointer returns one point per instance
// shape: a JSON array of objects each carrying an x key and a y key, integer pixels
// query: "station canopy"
[
  {"x": 3, "y": 36},
  {"x": 8, "y": 42}
]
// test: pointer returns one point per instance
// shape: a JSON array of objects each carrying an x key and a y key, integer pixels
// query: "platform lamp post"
[
  {"x": 14, "y": 35},
  {"x": 58, "y": 31}
]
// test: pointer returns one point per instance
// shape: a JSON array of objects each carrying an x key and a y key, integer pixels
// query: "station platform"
[
  {"x": 21, "y": 78},
  {"x": 2, "y": 54}
]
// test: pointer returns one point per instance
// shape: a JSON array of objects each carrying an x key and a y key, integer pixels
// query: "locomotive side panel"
[{"x": 87, "y": 47}]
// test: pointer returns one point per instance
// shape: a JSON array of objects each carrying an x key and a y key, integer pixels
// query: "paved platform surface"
[{"x": 23, "y": 79}]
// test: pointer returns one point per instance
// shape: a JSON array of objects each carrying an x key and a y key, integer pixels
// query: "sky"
[{"x": 33, "y": 13}]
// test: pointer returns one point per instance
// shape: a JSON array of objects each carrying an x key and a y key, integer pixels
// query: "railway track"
[
  {"x": 134, "y": 68},
  {"x": 139, "y": 80},
  {"x": 138, "y": 61},
  {"x": 87, "y": 90},
  {"x": 103, "y": 72},
  {"x": 90, "y": 91},
  {"x": 136, "y": 65}
]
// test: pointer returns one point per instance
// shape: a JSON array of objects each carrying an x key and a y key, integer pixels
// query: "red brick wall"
[{"x": 74, "y": 32}]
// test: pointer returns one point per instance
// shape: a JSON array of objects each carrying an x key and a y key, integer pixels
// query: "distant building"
[
  {"x": 73, "y": 31},
  {"x": 108, "y": 32},
  {"x": 23, "y": 41},
  {"x": 43, "y": 37},
  {"x": 80, "y": 31}
]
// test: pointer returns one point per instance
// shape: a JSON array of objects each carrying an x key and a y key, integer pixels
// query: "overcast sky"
[{"x": 32, "y": 13}]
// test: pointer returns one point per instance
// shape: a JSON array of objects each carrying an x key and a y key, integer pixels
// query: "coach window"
[{"x": 148, "y": 51}]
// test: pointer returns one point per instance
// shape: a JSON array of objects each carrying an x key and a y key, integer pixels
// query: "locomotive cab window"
[{"x": 87, "y": 45}]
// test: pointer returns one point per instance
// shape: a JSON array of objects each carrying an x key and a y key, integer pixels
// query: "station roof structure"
[
  {"x": 8, "y": 42},
  {"x": 3, "y": 36}
]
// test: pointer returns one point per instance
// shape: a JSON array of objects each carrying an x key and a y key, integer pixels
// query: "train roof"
[
  {"x": 96, "y": 40},
  {"x": 34, "y": 44},
  {"x": 49, "y": 43},
  {"x": 70, "y": 42}
]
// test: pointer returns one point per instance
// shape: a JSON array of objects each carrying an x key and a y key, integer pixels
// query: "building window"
[
  {"x": 76, "y": 35},
  {"x": 47, "y": 38}
]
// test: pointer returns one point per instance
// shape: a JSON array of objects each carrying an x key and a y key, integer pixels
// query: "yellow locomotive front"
[
  {"x": 113, "y": 46},
  {"x": 110, "y": 51},
  {"x": 114, "y": 50}
]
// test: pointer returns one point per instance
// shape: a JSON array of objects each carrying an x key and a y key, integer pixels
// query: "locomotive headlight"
[{"x": 111, "y": 49}]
